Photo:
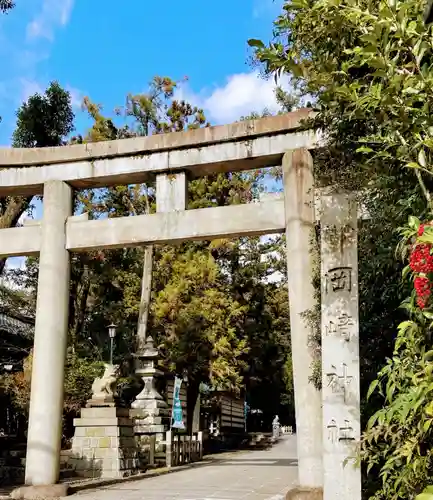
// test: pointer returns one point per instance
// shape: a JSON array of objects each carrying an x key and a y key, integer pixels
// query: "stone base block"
[
  {"x": 40, "y": 492},
  {"x": 102, "y": 422},
  {"x": 305, "y": 494},
  {"x": 108, "y": 401},
  {"x": 105, "y": 412},
  {"x": 104, "y": 443},
  {"x": 104, "y": 440},
  {"x": 104, "y": 431},
  {"x": 107, "y": 464},
  {"x": 99, "y": 419},
  {"x": 97, "y": 453}
]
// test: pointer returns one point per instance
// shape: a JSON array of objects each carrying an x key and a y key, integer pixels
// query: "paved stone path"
[{"x": 253, "y": 475}]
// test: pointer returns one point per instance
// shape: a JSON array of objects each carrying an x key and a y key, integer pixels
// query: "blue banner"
[{"x": 176, "y": 412}]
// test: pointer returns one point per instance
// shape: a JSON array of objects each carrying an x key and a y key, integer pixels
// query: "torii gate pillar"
[
  {"x": 300, "y": 219},
  {"x": 51, "y": 331}
]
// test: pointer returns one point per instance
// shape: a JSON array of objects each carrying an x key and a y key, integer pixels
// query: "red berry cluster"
[
  {"x": 421, "y": 263},
  {"x": 423, "y": 290},
  {"x": 422, "y": 227}
]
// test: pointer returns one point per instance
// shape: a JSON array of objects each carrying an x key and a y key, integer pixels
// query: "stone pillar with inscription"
[{"x": 340, "y": 347}]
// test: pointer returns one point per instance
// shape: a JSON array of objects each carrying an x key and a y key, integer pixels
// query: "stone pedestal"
[
  {"x": 104, "y": 444},
  {"x": 148, "y": 423},
  {"x": 305, "y": 494},
  {"x": 149, "y": 411}
]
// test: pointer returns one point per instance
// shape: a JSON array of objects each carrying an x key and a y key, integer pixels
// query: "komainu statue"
[{"x": 104, "y": 388}]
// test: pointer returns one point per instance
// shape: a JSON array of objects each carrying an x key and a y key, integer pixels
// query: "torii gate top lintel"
[{"x": 234, "y": 147}]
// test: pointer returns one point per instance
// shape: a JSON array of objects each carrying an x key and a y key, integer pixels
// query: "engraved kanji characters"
[
  {"x": 345, "y": 321},
  {"x": 339, "y": 383},
  {"x": 346, "y": 432},
  {"x": 338, "y": 279},
  {"x": 332, "y": 431},
  {"x": 341, "y": 326},
  {"x": 340, "y": 433}
]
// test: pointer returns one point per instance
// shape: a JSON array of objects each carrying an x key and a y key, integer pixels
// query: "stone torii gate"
[{"x": 174, "y": 158}]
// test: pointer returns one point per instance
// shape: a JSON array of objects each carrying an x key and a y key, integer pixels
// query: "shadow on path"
[{"x": 262, "y": 462}]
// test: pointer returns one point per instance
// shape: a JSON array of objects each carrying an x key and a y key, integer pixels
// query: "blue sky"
[{"x": 105, "y": 49}]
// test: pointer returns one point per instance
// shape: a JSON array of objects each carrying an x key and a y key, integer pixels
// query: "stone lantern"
[{"x": 149, "y": 410}]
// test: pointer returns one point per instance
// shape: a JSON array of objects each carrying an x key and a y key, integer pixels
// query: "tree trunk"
[
  {"x": 80, "y": 306},
  {"x": 146, "y": 289},
  {"x": 191, "y": 399}
]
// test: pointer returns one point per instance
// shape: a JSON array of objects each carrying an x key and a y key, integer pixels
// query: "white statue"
[
  {"x": 276, "y": 427},
  {"x": 104, "y": 388}
]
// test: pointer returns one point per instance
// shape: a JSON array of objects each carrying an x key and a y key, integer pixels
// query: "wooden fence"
[
  {"x": 287, "y": 429},
  {"x": 182, "y": 449}
]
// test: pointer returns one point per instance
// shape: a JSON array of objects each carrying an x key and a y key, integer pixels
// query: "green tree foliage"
[
  {"x": 44, "y": 120},
  {"x": 6, "y": 5},
  {"x": 255, "y": 264},
  {"x": 198, "y": 321},
  {"x": 367, "y": 65},
  {"x": 397, "y": 440}
]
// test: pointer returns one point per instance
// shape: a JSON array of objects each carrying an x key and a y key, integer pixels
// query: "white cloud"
[
  {"x": 242, "y": 94},
  {"x": 53, "y": 13},
  {"x": 76, "y": 97},
  {"x": 30, "y": 87}
]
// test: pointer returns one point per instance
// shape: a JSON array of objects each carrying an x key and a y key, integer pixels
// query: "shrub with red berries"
[
  {"x": 422, "y": 287},
  {"x": 421, "y": 263},
  {"x": 421, "y": 260}
]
